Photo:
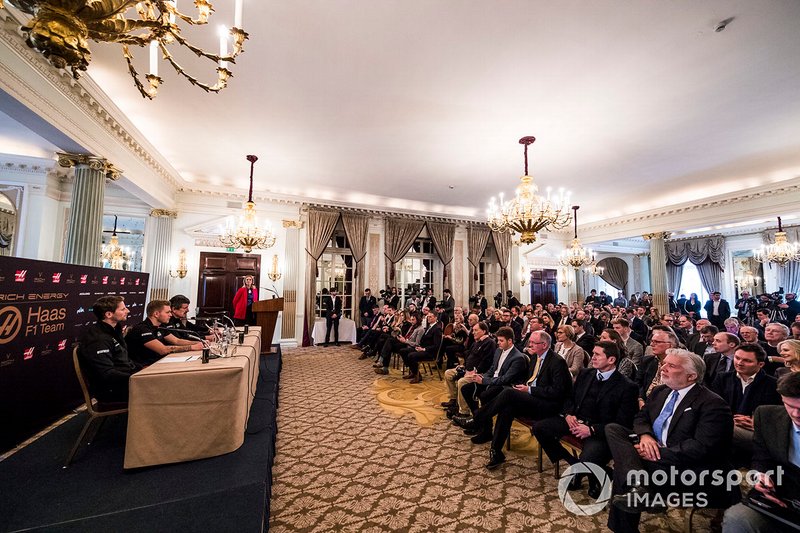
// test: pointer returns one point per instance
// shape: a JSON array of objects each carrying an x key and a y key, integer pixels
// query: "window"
[
  {"x": 690, "y": 283},
  {"x": 335, "y": 269},
  {"x": 417, "y": 270}
]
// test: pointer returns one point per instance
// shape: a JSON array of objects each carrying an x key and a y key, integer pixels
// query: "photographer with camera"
[
  {"x": 791, "y": 308},
  {"x": 746, "y": 308}
]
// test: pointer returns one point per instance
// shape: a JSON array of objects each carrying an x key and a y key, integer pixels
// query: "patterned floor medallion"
[{"x": 367, "y": 453}]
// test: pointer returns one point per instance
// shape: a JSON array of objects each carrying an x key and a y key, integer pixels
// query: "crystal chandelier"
[
  {"x": 576, "y": 256},
  {"x": 247, "y": 234},
  {"x": 527, "y": 213},
  {"x": 61, "y": 29},
  {"x": 594, "y": 270},
  {"x": 748, "y": 281},
  {"x": 780, "y": 252},
  {"x": 117, "y": 257}
]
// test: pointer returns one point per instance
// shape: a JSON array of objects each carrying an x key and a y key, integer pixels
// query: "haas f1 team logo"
[
  {"x": 83, "y": 278},
  {"x": 19, "y": 277},
  {"x": 56, "y": 277},
  {"x": 62, "y": 344},
  {"x": 10, "y": 324},
  {"x": 28, "y": 354}
]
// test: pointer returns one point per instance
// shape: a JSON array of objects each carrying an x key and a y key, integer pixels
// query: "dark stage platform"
[{"x": 226, "y": 493}]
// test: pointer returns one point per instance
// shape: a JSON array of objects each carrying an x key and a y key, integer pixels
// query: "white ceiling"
[{"x": 635, "y": 105}]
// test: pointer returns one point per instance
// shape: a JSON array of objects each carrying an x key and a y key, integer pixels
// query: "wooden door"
[
  {"x": 544, "y": 286},
  {"x": 221, "y": 275}
]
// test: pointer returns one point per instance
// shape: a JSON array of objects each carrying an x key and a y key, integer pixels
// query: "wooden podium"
[{"x": 266, "y": 313}]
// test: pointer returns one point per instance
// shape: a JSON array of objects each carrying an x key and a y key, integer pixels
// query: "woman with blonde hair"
[
  {"x": 565, "y": 346},
  {"x": 790, "y": 351}
]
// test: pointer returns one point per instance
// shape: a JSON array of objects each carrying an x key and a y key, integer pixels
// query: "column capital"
[
  {"x": 297, "y": 224},
  {"x": 657, "y": 235},
  {"x": 99, "y": 164},
  {"x": 163, "y": 213}
]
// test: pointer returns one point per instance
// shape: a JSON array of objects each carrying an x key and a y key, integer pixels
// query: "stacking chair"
[{"x": 98, "y": 411}]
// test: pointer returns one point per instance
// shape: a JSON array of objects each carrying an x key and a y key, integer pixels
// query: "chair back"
[{"x": 87, "y": 396}]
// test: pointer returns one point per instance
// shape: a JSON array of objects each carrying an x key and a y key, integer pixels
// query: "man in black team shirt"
[
  {"x": 103, "y": 353},
  {"x": 148, "y": 341},
  {"x": 179, "y": 305}
]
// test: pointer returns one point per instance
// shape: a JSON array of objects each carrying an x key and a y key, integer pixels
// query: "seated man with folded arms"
[
  {"x": 179, "y": 305},
  {"x": 776, "y": 458},
  {"x": 409, "y": 336},
  {"x": 600, "y": 396},
  {"x": 426, "y": 349},
  {"x": 548, "y": 386},
  {"x": 746, "y": 387},
  {"x": 103, "y": 354},
  {"x": 477, "y": 359},
  {"x": 369, "y": 343},
  {"x": 149, "y": 340}
]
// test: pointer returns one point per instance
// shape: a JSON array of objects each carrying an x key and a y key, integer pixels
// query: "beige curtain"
[
  {"x": 502, "y": 245},
  {"x": 356, "y": 228},
  {"x": 615, "y": 273},
  {"x": 442, "y": 235},
  {"x": 320, "y": 229},
  {"x": 399, "y": 235},
  {"x": 477, "y": 238}
]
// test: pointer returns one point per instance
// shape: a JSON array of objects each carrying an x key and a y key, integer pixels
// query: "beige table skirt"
[{"x": 180, "y": 411}]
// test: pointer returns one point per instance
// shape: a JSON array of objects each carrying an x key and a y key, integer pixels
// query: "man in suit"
[
  {"x": 696, "y": 337},
  {"x": 745, "y": 388},
  {"x": 429, "y": 301},
  {"x": 542, "y": 396},
  {"x": 582, "y": 338},
  {"x": 448, "y": 305},
  {"x": 649, "y": 376},
  {"x": 561, "y": 319},
  {"x": 682, "y": 425},
  {"x": 509, "y": 367},
  {"x": 332, "y": 315},
  {"x": 592, "y": 298},
  {"x": 717, "y": 310},
  {"x": 776, "y": 448},
  {"x": 478, "y": 358},
  {"x": 721, "y": 360},
  {"x": 513, "y": 324},
  {"x": 638, "y": 327},
  {"x": 426, "y": 351},
  {"x": 512, "y": 300},
  {"x": 632, "y": 346},
  {"x": 365, "y": 307},
  {"x": 601, "y": 395},
  {"x": 534, "y": 324},
  {"x": 705, "y": 345}
]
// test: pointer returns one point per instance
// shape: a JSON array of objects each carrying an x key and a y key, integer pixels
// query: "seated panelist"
[{"x": 150, "y": 340}]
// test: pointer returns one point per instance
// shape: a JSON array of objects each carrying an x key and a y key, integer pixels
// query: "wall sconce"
[
  {"x": 525, "y": 275},
  {"x": 565, "y": 280},
  {"x": 275, "y": 273},
  {"x": 182, "y": 270}
]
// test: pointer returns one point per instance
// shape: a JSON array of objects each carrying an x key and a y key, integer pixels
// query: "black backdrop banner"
[{"x": 44, "y": 308}]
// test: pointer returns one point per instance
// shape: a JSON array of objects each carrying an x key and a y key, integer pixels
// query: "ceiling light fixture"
[
  {"x": 576, "y": 256},
  {"x": 527, "y": 213},
  {"x": 61, "y": 30},
  {"x": 780, "y": 252},
  {"x": 117, "y": 257},
  {"x": 247, "y": 234}
]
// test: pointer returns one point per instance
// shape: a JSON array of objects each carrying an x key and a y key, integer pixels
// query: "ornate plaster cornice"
[
  {"x": 163, "y": 213},
  {"x": 93, "y": 162},
  {"x": 385, "y": 213},
  {"x": 293, "y": 224}
]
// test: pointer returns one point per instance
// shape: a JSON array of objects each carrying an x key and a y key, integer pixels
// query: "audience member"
[
  {"x": 790, "y": 351},
  {"x": 717, "y": 310},
  {"x": 574, "y": 355},
  {"x": 774, "y": 334},
  {"x": 633, "y": 346},
  {"x": 425, "y": 351},
  {"x": 478, "y": 359},
  {"x": 722, "y": 359},
  {"x": 650, "y": 369}
]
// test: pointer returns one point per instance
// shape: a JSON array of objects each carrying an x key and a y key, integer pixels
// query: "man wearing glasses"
[{"x": 650, "y": 371}]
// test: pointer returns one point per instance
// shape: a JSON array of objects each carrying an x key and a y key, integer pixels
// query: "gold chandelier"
[
  {"x": 748, "y": 281},
  {"x": 576, "y": 256},
  {"x": 594, "y": 270},
  {"x": 780, "y": 252},
  {"x": 527, "y": 213},
  {"x": 118, "y": 257},
  {"x": 61, "y": 30},
  {"x": 247, "y": 234}
]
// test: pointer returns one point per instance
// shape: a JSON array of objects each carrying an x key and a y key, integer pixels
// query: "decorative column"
[
  {"x": 658, "y": 270},
  {"x": 291, "y": 278},
  {"x": 157, "y": 250},
  {"x": 84, "y": 234}
]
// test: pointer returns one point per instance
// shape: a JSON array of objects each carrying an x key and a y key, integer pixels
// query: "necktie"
[
  {"x": 661, "y": 422},
  {"x": 535, "y": 371},
  {"x": 599, "y": 376}
]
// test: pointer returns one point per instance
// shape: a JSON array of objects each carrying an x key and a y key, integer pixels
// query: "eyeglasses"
[{"x": 653, "y": 341}]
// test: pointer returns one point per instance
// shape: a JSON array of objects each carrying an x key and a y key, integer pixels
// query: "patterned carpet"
[{"x": 361, "y": 452}]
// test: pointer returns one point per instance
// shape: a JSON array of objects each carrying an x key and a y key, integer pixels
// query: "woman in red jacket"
[{"x": 243, "y": 303}]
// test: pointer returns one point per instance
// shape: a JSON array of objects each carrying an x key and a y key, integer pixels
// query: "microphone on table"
[
  {"x": 193, "y": 335},
  {"x": 273, "y": 291}
]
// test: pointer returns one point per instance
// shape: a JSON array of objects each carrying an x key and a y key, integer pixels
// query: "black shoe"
[
  {"x": 449, "y": 403},
  {"x": 496, "y": 458},
  {"x": 337, "y": 343},
  {"x": 472, "y": 431},
  {"x": 637, "y": 500},
  {"x": 383, "y": 371},
  {"x": 450, "y": 413},
  {"x": 464, "y": 421},
  {"x": 482, "y": 438},
  {"x": 576, "y": 483},
  {"x": 364, "y": 355},
  {"x": 594, "y": 489}
]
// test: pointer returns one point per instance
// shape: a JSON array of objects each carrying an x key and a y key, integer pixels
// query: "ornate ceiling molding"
[
  {"x": 95, "y": 163},
  {"x": 657, "y": 235}
]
